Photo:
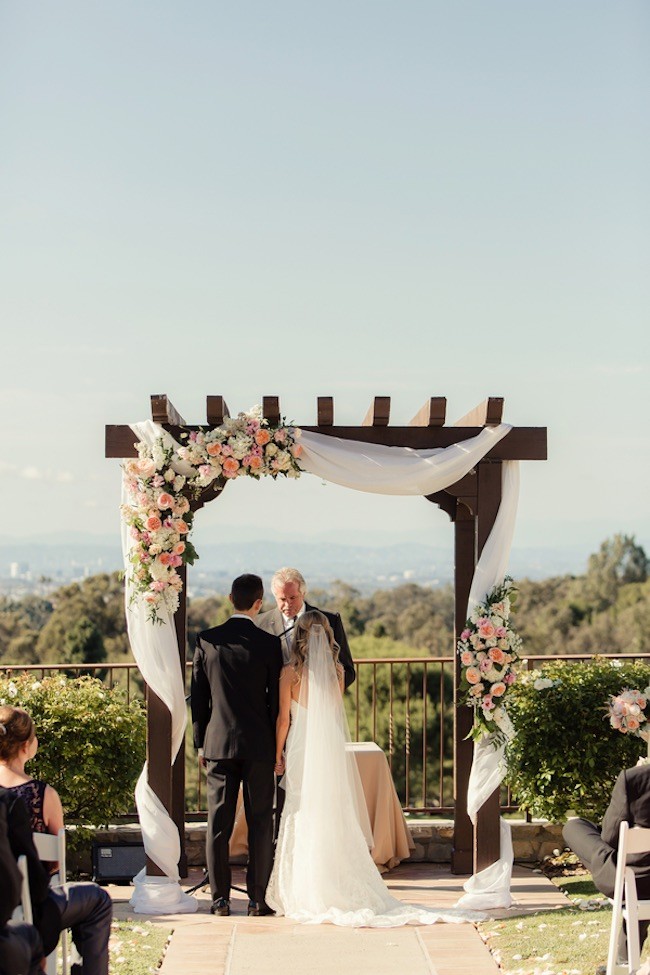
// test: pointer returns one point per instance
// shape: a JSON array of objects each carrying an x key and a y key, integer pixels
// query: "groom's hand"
[{"x": 278, "y": 768}]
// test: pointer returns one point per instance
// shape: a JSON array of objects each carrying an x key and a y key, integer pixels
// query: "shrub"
[
  {"x": 565, "y": 756},
  {"x": 91, "y": 742}
]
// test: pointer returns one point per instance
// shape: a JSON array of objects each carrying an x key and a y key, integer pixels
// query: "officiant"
[{"x": 289, "y": 590}]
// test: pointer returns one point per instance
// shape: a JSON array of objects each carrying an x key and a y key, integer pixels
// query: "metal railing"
[{"x": 404, "y": 704}]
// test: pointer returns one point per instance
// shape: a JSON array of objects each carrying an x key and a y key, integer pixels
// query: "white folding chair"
[
  {"x": 24, "y": 910},
  {"x": 626, "y": 905},
  {"x": 51, "y": 847}
]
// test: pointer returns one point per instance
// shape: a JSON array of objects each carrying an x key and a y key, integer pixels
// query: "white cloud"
[{"x": 32, "y": 473}]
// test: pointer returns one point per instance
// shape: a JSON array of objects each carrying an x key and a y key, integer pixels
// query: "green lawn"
[
  {"x": 569, "y": 941},
  {"x": 137, "y": 947}
]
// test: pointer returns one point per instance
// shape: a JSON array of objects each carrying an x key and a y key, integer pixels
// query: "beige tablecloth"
[{"x": 393, "y": 841}]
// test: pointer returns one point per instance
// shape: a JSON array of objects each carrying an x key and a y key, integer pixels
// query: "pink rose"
[
  {"x": 175, "y": 561},
  {"x": 165, "y": 501},
  {"x": 485, "y": 664},
  {"x": 226, "y": 450},
  {"x": 158, "y": 585},
  {"x": 465, "y": 635},
  {"x": 487, "y": 703},
  {"x": 510, "y": 678},
  {"x": 280, "y": 435},
  {"x": 501, "y": 632},
  {"x": 205, "y": 470},
  {"x": 153, "y": 523},
  {"x": 473, "y": 675}
]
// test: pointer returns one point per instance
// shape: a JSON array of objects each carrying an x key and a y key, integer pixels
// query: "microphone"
[{"x": 289, "y": 628}]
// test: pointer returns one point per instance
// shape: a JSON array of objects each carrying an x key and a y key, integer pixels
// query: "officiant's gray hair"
[{"x": 282, "y": 576}]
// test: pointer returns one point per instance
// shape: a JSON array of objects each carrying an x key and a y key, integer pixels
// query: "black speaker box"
[{"x": 117, "y": 863}]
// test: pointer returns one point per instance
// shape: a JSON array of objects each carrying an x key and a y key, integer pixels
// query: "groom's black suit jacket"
[
  {"x": 273, "y": 622},
  {"x": 235, "y": 691}
]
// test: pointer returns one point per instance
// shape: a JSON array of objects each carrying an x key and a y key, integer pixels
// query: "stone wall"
[{"x": 432, "y": 838}]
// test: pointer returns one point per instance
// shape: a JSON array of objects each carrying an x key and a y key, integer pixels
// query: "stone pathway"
[{"x": 240, "y": 945}]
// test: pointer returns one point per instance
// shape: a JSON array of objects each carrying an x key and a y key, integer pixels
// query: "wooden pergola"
[{"x": 472, "y": 504}]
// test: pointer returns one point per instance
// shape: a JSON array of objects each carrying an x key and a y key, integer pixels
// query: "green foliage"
[
  {"x": 565, "y": 756},
  {"x": 91, "y": 742}
]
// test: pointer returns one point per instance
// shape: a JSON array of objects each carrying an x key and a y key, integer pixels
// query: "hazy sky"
[{"x": 350, "y": 198}]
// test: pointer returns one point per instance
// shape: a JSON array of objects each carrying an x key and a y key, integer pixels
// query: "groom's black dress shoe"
[
  {"x": 221, "y": 906},
  {"x": 255, "y": 909}
]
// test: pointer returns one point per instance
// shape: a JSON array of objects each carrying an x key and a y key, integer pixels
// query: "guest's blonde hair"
[{"x": 304, "y": 626}]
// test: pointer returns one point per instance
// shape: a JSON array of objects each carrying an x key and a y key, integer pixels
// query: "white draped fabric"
[
  {"x": 366, "y": 467},
  {"x": 156, "y": 653}
]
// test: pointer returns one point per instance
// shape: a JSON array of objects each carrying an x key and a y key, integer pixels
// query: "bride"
[{"x": 323, "y": 871}]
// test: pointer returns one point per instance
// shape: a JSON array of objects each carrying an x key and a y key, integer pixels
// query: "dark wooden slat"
[
  {"x": 379, "y": 413},
  {"x": 216, "y": 410},
  {"x": 432, "y": 414},
  {"x": 159, "y": 736},
  {"x": 178, "y": 768},
  {"x": 486, "y": 414},
  {"x": 271, "y": 409},
  {"x": 164, "y": 411},
  {"x": 522, "y": 443},
  {"x": 325, "y": 411}
]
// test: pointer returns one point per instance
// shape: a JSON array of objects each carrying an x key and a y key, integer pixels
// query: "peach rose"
[
  {"x": 496, "y": 655},
  {"x": 182, "y": 506},
  {"x": 486, "y": 630},
  {"x": 165, "y": 501},
  {"x": 145, "y": 467},
  {"x": 632, "y": 723},
  {"x": 164, "y": 558},
  {"x": 213, "y": 449},
  {"x": 230, "y": 466},
  {"x": 296, "y": 449},
  {"x": 153, "y": 523},
  {"x": 255, "y": 463},
  {"x": 262, "y": 437},
  {"x": 473, "y": 675},
  {"x": 181, "y": 527},
  {"x": 179, "y": 548},
  {"x": 467, "y": 658},
  {"x": 498, "y": 689}
]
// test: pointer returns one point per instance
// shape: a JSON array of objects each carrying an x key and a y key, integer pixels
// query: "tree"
[{"x": 618, "y": 562}]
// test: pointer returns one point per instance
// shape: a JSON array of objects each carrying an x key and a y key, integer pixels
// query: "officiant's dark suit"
[
  {"x": 597, "y": 848},
  {"x": 235, "y": 682}
]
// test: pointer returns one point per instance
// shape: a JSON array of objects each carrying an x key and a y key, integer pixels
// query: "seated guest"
[
  {"x": 21, "y": 949},
  {"x": 596, "y": 848},
  {"x": 83, "y": 907}
]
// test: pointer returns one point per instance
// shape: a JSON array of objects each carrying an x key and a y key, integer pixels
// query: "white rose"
[
  {"x": 271, "y": 450},
  {"x": 542, "y": 683}
]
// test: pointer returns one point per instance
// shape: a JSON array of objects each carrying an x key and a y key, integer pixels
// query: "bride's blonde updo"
[{"x": 302, "y": 632}]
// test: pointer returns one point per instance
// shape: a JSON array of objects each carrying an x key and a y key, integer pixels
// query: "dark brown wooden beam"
[
  {"x": 379, "y": 413},
  {"x": 325, "y": 411},
  {"x": 486, "y": 414},
  {"x": 432, "y": 414},
  {"x": 271, "y": 409},
  {"x": 522, "y": 443},
  {"x": 163, "y": 411},
  {"x": 216, "y": 410}
]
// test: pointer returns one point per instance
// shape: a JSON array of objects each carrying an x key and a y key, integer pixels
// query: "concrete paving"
[{"x": 239, "y": 945}]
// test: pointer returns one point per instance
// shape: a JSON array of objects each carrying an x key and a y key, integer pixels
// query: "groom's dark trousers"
[
  {"x": 597, "y": 848},
  {"x": 235, "y": 687}
]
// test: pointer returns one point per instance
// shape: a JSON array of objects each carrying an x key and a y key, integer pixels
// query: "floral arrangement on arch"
[
  {"x": 626, "y": 712},
  {"x": 489, "y": 649},
  {"x": 161, "y": 482}
]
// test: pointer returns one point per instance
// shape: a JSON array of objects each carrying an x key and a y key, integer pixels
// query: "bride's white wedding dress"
[{"x": 323, "y": 871}]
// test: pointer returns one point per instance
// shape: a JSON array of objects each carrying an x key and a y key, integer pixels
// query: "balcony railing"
[{"x": 404, "y": 704}]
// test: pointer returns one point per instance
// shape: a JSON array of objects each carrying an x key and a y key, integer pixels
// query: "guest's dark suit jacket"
[
  {"x": 235, "y": 691},
  {"x": 273, "y": 622},
  {"x": 630, "y": 803},
  {"x": 47, "y": 918},
  {"x": 10, "y": 879}
]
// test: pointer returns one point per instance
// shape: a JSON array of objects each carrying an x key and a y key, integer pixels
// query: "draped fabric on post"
[
  {"x": 373, "y": 468},
  {"x": 155, "y": 648}
]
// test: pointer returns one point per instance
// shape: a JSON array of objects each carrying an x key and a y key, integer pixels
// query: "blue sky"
[{"x": 348, "y": 199}]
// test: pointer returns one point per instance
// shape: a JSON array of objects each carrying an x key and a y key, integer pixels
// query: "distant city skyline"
[{"x": 350, "y": 200}]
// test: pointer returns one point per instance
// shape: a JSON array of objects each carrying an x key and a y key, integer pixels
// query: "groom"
[{"x": 235, "y": 681}]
